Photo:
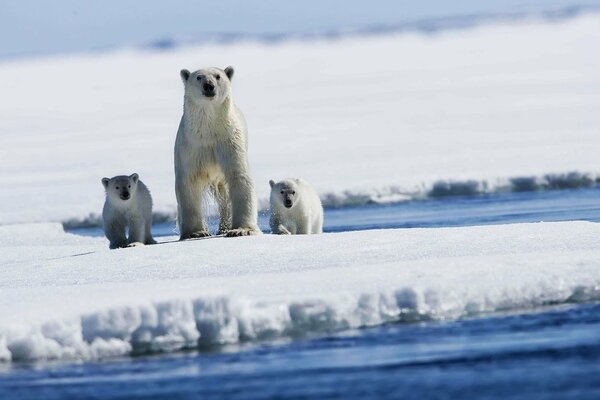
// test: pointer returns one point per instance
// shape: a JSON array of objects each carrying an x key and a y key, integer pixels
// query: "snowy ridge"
[
  {"x": 210, "y": 321},
  {"x": 72, "y": 298},
  {"x": 469, "y": 187},
  {"x": 424, "y": 26}
]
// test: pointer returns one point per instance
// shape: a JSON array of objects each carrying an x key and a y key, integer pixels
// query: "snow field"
[{"x": 55, "y": 304}]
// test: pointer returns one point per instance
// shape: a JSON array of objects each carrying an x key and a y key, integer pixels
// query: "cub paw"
[
  {"x": 135, "y": 244},
  {"x": 282, "y": 230}
]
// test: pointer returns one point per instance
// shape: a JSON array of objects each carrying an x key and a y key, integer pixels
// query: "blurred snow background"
[{"x": 34, "y": 27}]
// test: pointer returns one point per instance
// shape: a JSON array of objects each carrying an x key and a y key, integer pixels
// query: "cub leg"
[{"x": 114, "y": 229}]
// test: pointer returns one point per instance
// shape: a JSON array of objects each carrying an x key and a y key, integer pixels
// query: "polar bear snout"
[
  {"x": 208, "y": 89},
  {"x": 288, "y": 203},
  {"x": 125, "y": 195}
]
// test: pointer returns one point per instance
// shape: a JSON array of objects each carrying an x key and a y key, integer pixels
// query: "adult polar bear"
[{"x": 211, "y": 155}]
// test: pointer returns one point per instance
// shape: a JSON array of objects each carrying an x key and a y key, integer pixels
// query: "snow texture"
[{"x": 69, "y": 297}]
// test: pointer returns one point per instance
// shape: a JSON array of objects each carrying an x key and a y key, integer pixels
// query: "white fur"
[
  {"x": 211, "y": 155},
  {"x": 133, "y": 214},
  {"x": 305, "y": 216}
]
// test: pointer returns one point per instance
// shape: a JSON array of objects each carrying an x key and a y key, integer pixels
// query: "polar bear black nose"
[
  {"x": 288, "y": 203},
  {"x": 208, "y": 87},
  {"x": 125, "y": 195}
]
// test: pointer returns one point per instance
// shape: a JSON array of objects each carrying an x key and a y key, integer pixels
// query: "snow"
[
  {"x": 376, "y": 118},
  {"x": 69, "y": 297}
]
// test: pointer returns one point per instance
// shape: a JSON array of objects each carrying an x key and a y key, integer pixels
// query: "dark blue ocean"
[{"x": 546, "y": 353}]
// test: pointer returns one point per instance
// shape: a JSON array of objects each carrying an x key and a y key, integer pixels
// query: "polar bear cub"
[
  {"x": 295, "y": 208},
  {"x": 128, "y": 207},
  {"x": 211, "y": 156}
]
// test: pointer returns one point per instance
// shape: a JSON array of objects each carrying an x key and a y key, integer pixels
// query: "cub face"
[
  {"x": 208, "y": 84},
  {"x": 284, "y": 193},
  {"x": 121, "y": 188}
]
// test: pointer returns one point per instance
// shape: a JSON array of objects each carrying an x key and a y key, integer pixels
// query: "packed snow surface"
[
  {"x": 68, "y": 297},
  {"x": 506, "y": 106}
]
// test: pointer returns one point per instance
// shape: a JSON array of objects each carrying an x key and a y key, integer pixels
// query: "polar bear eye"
[
  {"x": 128, "y": 186},
  {"x": 293, "y": 192},
  {"x": 117, "y": 188},
  {"x": 282, "y": 192},
  {"x": 218, "y": 77},
  {"x": 198, "y": 78}
]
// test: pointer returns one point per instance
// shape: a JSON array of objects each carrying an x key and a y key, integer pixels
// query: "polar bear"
[
  {"x": 211, "y": 156},
  {"x": 295, "y": 208},
  {"x": 128, "y": 206}
]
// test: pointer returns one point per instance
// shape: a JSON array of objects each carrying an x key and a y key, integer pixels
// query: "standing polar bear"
[
  {"x": 211, "y": 155},
  {"x": 295, "y": 208}
]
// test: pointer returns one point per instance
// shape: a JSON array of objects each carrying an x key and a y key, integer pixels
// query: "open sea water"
[{"x": 546, "y": 353}]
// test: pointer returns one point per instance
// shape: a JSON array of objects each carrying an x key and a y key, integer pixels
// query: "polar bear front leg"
[
  {"x": 114, "y": 229},
  {"x": 222, "y": 196},
  {"x": 244, "y": 214},
  {"x": 277, "y": 228},
  {"x": 137, "y": 232},
  {"x": 190, "y": 218},
  {"x": 243, "y": 206}
]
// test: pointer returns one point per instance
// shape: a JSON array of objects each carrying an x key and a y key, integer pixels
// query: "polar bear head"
[
  {"x": 208, "y": 84},
  {"x": 284, "y": 192},
  {"x": 121, "y": 188}
]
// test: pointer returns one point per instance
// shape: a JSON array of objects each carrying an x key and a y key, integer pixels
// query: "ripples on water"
[{"x": 552, "y": 353}]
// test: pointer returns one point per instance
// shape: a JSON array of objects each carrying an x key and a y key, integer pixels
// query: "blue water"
[
  {"x": 552, "y": 354},
  {"x": 546, "y": 353},
  {"x": 498, "y": 208}
]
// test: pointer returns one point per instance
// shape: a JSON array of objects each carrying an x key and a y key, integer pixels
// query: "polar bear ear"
[
  {"x": 271, "y": 183},
  {"x": 185, "y": 74},
  {"x": 229, "y": 72},
  {"x": 134, "y": 177},
  {"x": 105, "y": 182}
]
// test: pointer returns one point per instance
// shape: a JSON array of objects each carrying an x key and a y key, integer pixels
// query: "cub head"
[
  {"x": 207, "y": 85},
  {"x": 121, "y": 188},
  {"x": 284, "y": 192}
]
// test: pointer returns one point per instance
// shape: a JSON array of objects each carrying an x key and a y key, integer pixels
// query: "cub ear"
[
  {"x": 185, "y": 74},
  {"x": 134, "y": 177},
  {"x": 105, "y": 182},
  {"x": 229, "y": 72},
  {"x": 271, "y": 183}
]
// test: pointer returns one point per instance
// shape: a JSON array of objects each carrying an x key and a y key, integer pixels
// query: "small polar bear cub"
[
  {"x": 128, "y": 206},
  {"x": 295, "y": 208}
]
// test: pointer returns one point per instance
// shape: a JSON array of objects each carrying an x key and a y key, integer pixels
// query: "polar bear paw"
[
  {"x": 282, "y": 230},
  {"x": 135, "y": 244},
  {"x": 195, "y": 235},
  {"x": 243, "y": 232}
]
